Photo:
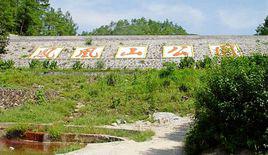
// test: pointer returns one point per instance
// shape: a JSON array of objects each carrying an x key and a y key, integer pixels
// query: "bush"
[
  {"x": 111, "y": 80},
  {"x": 166, "y": 83},
  {"x": 55, "y": 131},
  {"x": 183, "y": 88},
  {"x": 100, "y": 64},
  {"x": 187, "y": 62},
  {"x": 78, "y": 65},
  {"x": 168, "y": 70},
  {"x": 88, "y": 41},
  {"x": 8, "y": 64},
  {"x": 50, "y": 65},
  {"x": 16, "y": 131},
  {"x": 4, "y": 41},
  {"x": 231, "y": 110},
  {"x": 205, "y": 63},
  {"x": 40, "y": 96},
  {"x": 53, "y": 65},
  {"x": 33, "y": 64},
  {"x": 46, "y": 64}
]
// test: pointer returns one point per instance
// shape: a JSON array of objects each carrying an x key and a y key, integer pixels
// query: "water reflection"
[{"x": 24, "y": 147}]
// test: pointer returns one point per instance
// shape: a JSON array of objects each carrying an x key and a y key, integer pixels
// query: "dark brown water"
[{"x": 22, "y": 147}]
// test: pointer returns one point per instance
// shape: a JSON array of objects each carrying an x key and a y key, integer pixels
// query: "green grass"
[
  {"x": 107, "y": 95},
  {"x": 68, "y": 148},
  {"x": 36, "y": 113},
  {"x": 135, "y": 95},
  {"x": 56, "y": 130},
  {"x": 138, "y": 136}
]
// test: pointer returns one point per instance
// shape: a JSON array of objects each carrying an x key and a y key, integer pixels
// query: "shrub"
[
  {"x": 8, "y": 64},
  {"x": 46, "y": 64},
  {"x": 50, "y": 65},
  {"x": 93, "y": 92},
  {"x": 40, "y": 96},
  {"x": 115, "y": 103},
  {"x": 33, "y": 64},
  {"x": 168, "y": 70},
  {"x": 183, "y": 88},
  {"x": 16, "y": 131},
  {"x": 166, "y": 83},
  {"x": 205, "y": 63},
  {"x": 100, "y": 64},
  {"x": 78, "y": 65},
  {"x": 151, "y": 83},
  {"x": 55, "y": 131},
  {"x": 4, "y": 41},
  {"x": 231, "y": 110},
  {"x": 53, "y": 65},
  {"x": 111, "y": 80},
  {"x": 187, "y": 62},
  {"x": 88, "y": 41}
]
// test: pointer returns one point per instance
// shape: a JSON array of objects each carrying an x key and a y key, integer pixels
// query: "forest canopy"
[
  {"x": 35, "y": 17},
  {"x": 140, "y": 26},
  {"x": 263, "y": 28}
]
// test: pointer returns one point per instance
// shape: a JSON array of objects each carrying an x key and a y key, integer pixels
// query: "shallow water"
[{"x": 22, "y": 147}]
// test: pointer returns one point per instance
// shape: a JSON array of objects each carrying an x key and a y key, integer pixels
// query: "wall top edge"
[{"x": 137, "y": 37}]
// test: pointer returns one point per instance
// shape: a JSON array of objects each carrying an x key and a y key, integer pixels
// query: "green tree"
[
  {"x": 140, "y": 26},
  {"x": 7, "y": 15},
  {"x": 34, "y": 17},
  {"x": 56, "y": 23},
  {"x": 263, "y": 28},
  {"x": 231, "y": 107},
  {"x": 3, "y": 39},
  {"x": 29, "y": 16}
]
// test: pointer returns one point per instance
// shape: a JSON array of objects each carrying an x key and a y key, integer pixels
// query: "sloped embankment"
[{"x": 14, "y": 97}]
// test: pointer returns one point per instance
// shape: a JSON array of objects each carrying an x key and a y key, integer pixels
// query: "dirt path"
[{"x": 168, "y": 140}]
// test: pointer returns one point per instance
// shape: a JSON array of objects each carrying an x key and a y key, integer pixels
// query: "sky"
[{"x": 204, "y": 17}]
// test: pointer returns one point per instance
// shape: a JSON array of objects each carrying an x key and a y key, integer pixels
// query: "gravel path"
[{"x": 168, "y": 140}]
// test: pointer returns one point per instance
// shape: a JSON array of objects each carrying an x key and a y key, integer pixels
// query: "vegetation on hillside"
[
  {"x": 35, "y": 17},
  {"x": 3, "y": 39},
  {"x": 136, "y": 95},
  {"x": 231, "y": 107},
  {"x": 228, "y": 97},
  {"x": 140, "y": 26},
  {"x": 263, "y": 28}
]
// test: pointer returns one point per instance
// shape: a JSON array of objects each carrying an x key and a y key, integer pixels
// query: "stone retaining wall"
[
  {"x": 12, "y": 98},
  {"x": 21, "y": 47}
]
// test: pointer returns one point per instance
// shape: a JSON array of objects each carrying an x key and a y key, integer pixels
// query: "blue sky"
[{"x": 206, "y": 17}]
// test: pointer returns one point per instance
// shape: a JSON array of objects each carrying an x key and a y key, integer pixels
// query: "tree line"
[
  {"x": 139, "y": 26},
  {"x": 35, "y": 17},
  {"x": 263, "y": 28}
]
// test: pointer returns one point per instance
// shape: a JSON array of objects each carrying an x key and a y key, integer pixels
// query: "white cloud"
[
  {"x": 95, "y": 13},
  {"x": 179, "y": 12},
  {"x": 241, "y": 18}
]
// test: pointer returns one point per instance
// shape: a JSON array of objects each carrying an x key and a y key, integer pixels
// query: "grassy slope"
[
  {"x": 133, "y": 96},
  {"x": 129, "y": 95}
]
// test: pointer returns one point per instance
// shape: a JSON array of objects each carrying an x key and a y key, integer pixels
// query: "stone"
[
  {"x": 121, "y": 121},
  {"x": 165, "y": 117},
  {"x": 114, "y": 124}
]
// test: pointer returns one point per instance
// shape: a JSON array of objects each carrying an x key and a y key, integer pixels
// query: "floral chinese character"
[
  {"x": 89, "y": 52},
  {"x": 133, "y": 51},
  {"x": 179, "y": 52},
  {"x": 46, "y": 53}
]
